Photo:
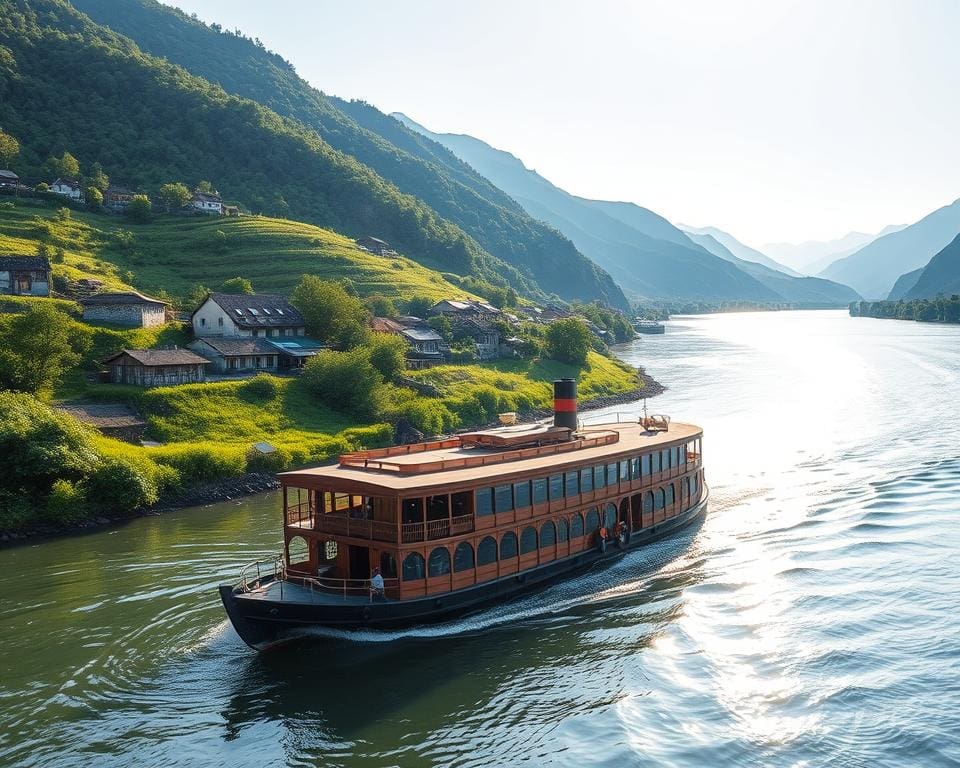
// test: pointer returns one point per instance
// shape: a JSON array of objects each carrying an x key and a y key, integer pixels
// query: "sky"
[{"x": 776, "y": 121}]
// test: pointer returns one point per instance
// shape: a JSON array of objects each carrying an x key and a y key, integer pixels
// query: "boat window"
[
  {"x": 665, "y": 455},
  {"x": 561, "y": 530},
  {"x": 676, "y": 456},
  {"x": 413, "y": 510},
  {"x": 586, "y": 480},
  {"x": 599, "y": 477},
  {"x": 330, "y": 550},
  {"x": 540, "y": 490},
  {"x": 645, "y": 465},
  {"x": 413, "y": 567},
  {"x": 388, "y": 565},
  {"x": 528, "y": 540},
  {"x": 593, "y": 521},
  {"x": 487, "y": 551},
  {"x": 612, "y": 474},
  {"x": 463, "y": 557},
  {"x": 548, "y": 534},
  {"x": 484, "y": 501},
  {"x": 439, "y": 562},
  {"x": 503, "y": 498},
  {"x": 556, "y": 487},
  {"x": 461, "y": 503},
  {"x": 648, "y": 501},
  {"x": 438, "y": 507},
  {"x": 635, "y": 467},
  {"x": 572, "y": 483},
  {"x": 655, "y": 459},
  {"x": 297, "y": 550},
  {"x": 576, "y": 525},
  {"x": 683, "y": 454},
  {"x": 521, "y": 494},
  {"x": 508, "y": 545},
  {"x": 695, "y": 484},
  {"x": 658, "y": 499},
  {"x": 624, "y": 470},
  {"x": 670, "y": 498},
  {"x": 610, "y": 516}
]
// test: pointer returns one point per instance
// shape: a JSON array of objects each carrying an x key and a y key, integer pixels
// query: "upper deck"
[{"x": 476, "y": 458}]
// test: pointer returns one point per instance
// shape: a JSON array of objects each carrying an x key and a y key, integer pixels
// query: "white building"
[
  {"x": 241, "y": 314},
  {"x": 207, "y": 203},
  {"x": 66, "y": 188}
]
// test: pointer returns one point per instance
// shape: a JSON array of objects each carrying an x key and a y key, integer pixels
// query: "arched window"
[
  {"x": 413, "y": 567},
  {"x": 297, "y": 550},
  {"x": 670, "y": 494},
  {"x": 576, "y": 525},
  {"x": 508, "y": 545},
  {"x": 463, "y": 557},
  {"x": 610, "y": 516},
  {"x": 528, "y": 540},
  {"x": 487, "y": 551},
  {"x": 685, "y": 492},
  {"x": 561, "y": 529},
  {"x": 439, "y": 562},
  {"x": 658, "y": 499},
  {"x": 593, "y": 521},
  {"x": 548, "y": 534},
  {"x": 388, "y": 565},
  {"x": 648, "y": 501}
]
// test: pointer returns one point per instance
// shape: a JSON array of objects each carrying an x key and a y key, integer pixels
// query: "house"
[
  {"x": 125, "y": 308},
  {"x": 375, "y": 245},
  {"x": 9, "y": 180},
  {"x": 117, "y": 199},
  {"x": 295, "y": 351},
  {"x": 237, "y": 354},
  {"x": 463, "y": 308},
  {"x": 25, "y": 275},
  {"x": 155, "y": 367},
  {"x": 241, "y": 314},
  {"x": 423, "y": 342},
  {"x": 206, "y": 202},
  {"x": 69, "y": 188},
  {"x": 231, "y": 210},
  {"x": 484, "y": 335},
  {"x": 553, "y": 312}
]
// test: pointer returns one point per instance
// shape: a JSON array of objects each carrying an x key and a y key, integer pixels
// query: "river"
[{"x": 812, "y": 619}]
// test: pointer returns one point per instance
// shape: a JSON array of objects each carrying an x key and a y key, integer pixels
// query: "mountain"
[
  {"x": 874, "y": 269},
  {"x": 809, "y": 291},
  {"x": 940, "y": 276},
  {"x": 903, "y": 285},
  {"x": 738, "y": 249},
  {"x": 813, "y": 256},
  {"x": 646, "y": 254},
  {"x": 414, "y": 164}
]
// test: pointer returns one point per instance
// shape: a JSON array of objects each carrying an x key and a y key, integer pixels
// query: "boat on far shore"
[{"x": 649, "y": 326}]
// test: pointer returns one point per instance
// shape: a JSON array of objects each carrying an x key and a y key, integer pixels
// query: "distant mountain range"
[
  {"x": 874, "y": 269},
  {"x": 813, "y": 256},
  {"x": 736, "y": 248}
]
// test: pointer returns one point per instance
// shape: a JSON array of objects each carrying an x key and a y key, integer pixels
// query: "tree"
[
  {"x": 237, "y": 285},
  {"x": 139, "y": 209},
  {"x": 98, "y": 178},
  {"x": 36, "y": 349},
  {"x": 94, "y": 198},
  {"x": 206, "y": 187},
  {"x": 66, "y": 166},
  {"x": 418, "y": 306},
  {"x": 174, "y": 196},
  {"x": 441, "y": 325},
  {"x": 347, "y": 382},
  {"x": 569, "y": 340},
  {"x": 388, "y": 354},
  {"x": 9, "y": 149},
  {"x": 380, "y": 306},
  {"x": 331, "y": 314}
]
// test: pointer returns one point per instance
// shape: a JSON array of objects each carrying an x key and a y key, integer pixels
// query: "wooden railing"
[
  {"x": 436, "y": 529},
  {"x": 345, "y": 588},
  {"x": 340, "y": 524}
]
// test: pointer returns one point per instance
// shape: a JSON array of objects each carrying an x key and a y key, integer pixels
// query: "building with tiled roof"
[
  {"x": 129, "y": 308},
  {"x": 155, "y": 367},
  {"x": 25, "y": 275},
  {"x": 241, "y": 314}
]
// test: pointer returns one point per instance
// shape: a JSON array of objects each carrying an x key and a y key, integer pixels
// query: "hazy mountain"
[
  {"x": 904, "y": 284},
  {"x": 811, "y": 257},
  {"x": 417, "y": 166},
  {"x": 644, "y": 252},
  {"x": 874, "y": 269},
  {"x": 810, "y": 291},
  {"x": 738, "y": 249},
  {"x": 940, "y": 276}
]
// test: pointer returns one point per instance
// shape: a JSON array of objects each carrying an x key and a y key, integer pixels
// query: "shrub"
[
  {"x": 202, "y": 463},
  {"x": 119, "y": 486},
  {"x": 268, "y": 462},
  {"x": 66, "y": 503},
  {"x": 236, "y": 284},
  {"x": 331, "y": 313},
  {"x": 262, "y": 387},
  {"x": 347, "y": 382},
  {"x": 388, "y": 354}
]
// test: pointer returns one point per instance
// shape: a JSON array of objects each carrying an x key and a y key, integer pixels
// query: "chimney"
[{"x": 565, "y": 404}]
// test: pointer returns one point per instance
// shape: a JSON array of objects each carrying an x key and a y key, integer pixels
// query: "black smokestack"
[{"x": 565, "y": 404}]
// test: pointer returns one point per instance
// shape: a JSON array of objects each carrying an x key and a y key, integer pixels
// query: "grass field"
[{"x": 176, "y": 253}]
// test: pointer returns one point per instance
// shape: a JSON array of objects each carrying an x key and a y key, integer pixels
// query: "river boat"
[
  {"x": 454, "y": 525},
  {"x": 650, "y": 326}
]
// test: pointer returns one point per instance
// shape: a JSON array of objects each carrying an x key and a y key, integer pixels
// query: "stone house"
[
  {"x": 69, "y": 188},
  {"x": 155, "y": 367},
  {"x": 376, "y": 245},
  {"x": 9, "y": 180},
  {"x": 484, "y": 335},
  {"x": 240, "y": 314},
  {"x": 423, "y": 342},
  {"x": 125, "y": 308},
  {"x": 452, "y": 308},
  {"x": 206, "y": 203},
  {"x": 117, "y": 199},
  {"x": 25, "y": 275},
  {"x": 237, "y": 354}
]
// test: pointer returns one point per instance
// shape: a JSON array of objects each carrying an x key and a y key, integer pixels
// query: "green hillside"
[
  {"x": 941, "y": 276},
  {"x": 69, "y": 84},
  {"x": 175, "y": 254},
  {"x": 414, "y": 164}
]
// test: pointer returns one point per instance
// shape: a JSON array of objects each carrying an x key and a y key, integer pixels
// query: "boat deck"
[{"x": 297, "y": 593}]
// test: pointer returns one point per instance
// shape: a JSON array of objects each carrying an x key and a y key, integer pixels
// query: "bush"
[
  {"x": 237, "y": 285},
  {"x": 268, "y": 462},
  {"x": 202, "y": 463},
  {"x": 347, "y": 382},
  {"x": 119, "y": 487},
  {"x": 139, "y": 209},
  {"x": 388, "y": 354},
  {"x": 262, "y": 387},
  {"x": 66, "y": 503}
]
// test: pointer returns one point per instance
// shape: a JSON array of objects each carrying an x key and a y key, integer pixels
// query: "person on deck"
[{"x": 376, "y": 585}]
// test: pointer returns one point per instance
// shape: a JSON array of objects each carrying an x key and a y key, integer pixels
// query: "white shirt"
[{"x": 376, "y": 582}]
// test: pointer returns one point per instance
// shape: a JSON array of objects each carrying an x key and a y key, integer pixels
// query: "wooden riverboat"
[{"x": 457, "y": 524}]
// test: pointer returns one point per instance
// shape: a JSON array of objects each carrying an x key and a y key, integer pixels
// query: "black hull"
[{"x": 263, "y": 623}]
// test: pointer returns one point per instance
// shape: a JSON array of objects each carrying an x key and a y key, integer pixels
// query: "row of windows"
[
  {"x": 505, "y": 498},
  {"x": 438, "y": 563}
]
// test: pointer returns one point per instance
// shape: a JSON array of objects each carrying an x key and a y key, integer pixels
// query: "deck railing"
[
  {"x": 436, "y": 529},
  {"x": 340, "y": 524},
  {"x": 345, "y": 588},
  {"x": 298, "y": 514}
]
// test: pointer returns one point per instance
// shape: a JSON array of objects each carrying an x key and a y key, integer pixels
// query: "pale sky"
[{"x": 776, "y": 121}]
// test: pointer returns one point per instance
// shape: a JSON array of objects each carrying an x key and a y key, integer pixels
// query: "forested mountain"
[
  {"x": 904, "y": 283},
  {"x": 415, "y": 164},
  {"x": 874, "y": 269},
  {"x": 738, "y": 249},
  {"x": 646, "y": 254},
  {"x": 809, "y": 291},
  {"x": 941, "y": 276}
]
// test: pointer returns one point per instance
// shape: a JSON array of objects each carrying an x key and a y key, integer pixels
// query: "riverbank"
[{"x": 252, "y": 483}]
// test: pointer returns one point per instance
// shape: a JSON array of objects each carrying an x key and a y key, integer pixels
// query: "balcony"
[{"x": 436, "y": 529}]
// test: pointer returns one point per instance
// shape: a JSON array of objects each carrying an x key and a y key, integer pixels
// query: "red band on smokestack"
[{"x": 565, "y": 406}]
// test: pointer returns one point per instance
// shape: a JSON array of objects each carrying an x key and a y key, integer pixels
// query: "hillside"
[
  {"x": 807, "y": 291},
  {"x": 874, "y": 269},
  {"x": 941, "y": 276},
  {"x": 904, "y": 283},
  {"x": 175, "y": 254},
  {"x": 645, "y": 265},
  {"x": 738, "y": 249},
  {"x": 151, "y": 122},
  {"x": 416, "y": 165}
]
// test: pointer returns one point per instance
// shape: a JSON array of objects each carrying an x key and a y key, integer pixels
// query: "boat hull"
[{"x": 266, "y": 623}]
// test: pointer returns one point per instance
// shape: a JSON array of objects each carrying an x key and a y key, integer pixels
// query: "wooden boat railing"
[
  {"x": 436, "y": 529},
  {"x": 345, "y": 588},
  {"x": 277, "y": 568}
]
